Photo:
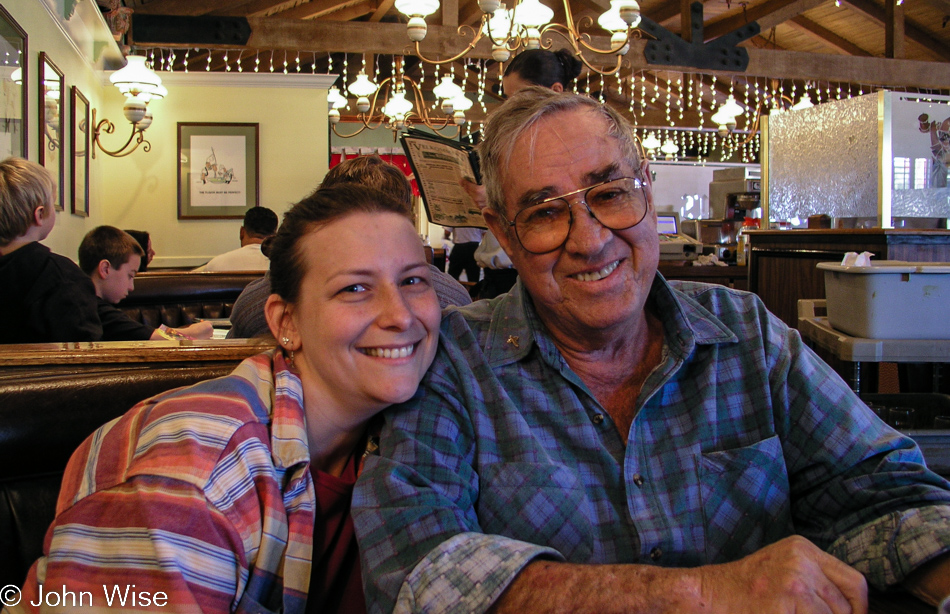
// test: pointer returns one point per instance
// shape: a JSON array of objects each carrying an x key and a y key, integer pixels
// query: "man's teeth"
[
  {"x": 389, "y": 352},
  {"x": 604, "y": 272}
]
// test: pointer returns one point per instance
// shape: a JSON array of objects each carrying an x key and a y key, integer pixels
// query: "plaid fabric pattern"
[
  {"x": 202, "y": 493},
  {"x": 742, "y": 437}
]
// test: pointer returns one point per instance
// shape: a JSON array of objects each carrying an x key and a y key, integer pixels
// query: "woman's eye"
[
  {"x": 413, "y": 281},
  {"x": 354, "y": 288}
]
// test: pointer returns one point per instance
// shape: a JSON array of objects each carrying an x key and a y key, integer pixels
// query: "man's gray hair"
[{"x": 521, "y": 112}]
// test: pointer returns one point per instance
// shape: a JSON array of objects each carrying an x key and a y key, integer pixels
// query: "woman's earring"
[{"x": 285, "y": 340}]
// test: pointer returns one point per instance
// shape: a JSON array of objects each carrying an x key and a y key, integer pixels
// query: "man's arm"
[
  {"x": 198, "y": 330},
  {"x": 931, "y": 582},
  {"x": 792, "y": 575}
]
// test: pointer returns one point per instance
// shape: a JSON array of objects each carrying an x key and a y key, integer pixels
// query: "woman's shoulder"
[{"x": 186, "y": 434}]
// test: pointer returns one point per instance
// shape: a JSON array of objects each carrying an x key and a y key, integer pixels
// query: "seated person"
[
  {"x": 247, "y": 314},
  {"x": 111, "y": 258},
  {"x": 600, "y": 439},
  {"x": 234, "y": 494},
  {"x": 259, "y": 223},
  {"x": 46, "y": 298},
  {"x": 372, "y": 171},
  {"x": 145, "y": 242}
]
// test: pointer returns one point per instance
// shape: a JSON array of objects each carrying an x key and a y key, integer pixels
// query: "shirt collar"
[
  {"x": 515, "y": 327},
  {"x": 279, "y": 389}
]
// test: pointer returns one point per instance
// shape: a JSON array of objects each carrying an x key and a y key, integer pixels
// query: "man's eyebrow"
[
  {"x": 602, "y": 175},
  {"x": 530, "y": 197}
]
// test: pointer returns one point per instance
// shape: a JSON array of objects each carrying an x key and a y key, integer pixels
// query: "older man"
[{"x": 600, "y": 439}]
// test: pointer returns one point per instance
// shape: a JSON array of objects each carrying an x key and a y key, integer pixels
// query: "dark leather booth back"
[
  {"x": 43, "y": 419},
  {"x": 179, "y": 298}
]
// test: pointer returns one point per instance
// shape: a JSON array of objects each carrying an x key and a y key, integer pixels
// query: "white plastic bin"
[{"x": 890, "y": 300}]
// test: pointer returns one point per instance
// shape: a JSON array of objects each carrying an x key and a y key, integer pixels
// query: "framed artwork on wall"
[
  {"x": 51, "y": 94},
  {"x": 80, "y": 136},
  {"x": 218, "y": 170},
  {"x": 13, "y": 95}
]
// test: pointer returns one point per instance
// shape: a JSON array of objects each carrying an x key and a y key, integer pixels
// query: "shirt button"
[
  {"x": 656, "y": 553},
  {"x": 598, "y": 418},
  {"x": 638, "y": 479}
]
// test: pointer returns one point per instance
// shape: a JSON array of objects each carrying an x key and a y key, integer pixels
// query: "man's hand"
[
  {"x": 792, "y": 575},
  {"x": 475, "y": 191},
  {"x": 198, "y": 330}
]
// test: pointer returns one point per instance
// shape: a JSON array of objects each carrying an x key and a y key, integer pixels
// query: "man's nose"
[{"x": 587, "y": 234}]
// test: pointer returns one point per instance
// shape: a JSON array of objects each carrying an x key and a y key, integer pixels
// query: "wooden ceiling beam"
[
  {"x": 350, "y": 12},
  {"x": 894, "y": 30},
  {"x": 381, "y": 10},
  {"x": 316, "y": 8},
  {"x": 386, "y": 38},
  {"x": 826, "y": 36},
  {"x": 188, "y": 8},
  {"x": 259, "y": 8},
  {"x": 769, "y": 14},
  {"x": 912, "y": 32}
]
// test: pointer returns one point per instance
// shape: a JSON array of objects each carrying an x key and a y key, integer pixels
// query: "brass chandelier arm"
[
  {"x": 478, "y": 34},
  {"x": 346, "y": 136},
  {"x": 108, "y": 127}
]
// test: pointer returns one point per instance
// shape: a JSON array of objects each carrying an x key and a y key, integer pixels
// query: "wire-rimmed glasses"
[{"x": 618, "y": 204}]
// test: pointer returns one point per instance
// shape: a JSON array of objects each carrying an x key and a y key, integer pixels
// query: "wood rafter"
[
  {"x": 317, "y": 8},
  {"x": 386, "y": 38},
  {"x": 912, "y": 31},
  {"x": 826, "y": 36},
  {"x": 769, "y": 14},
  {"x": 350, "y": 11}
]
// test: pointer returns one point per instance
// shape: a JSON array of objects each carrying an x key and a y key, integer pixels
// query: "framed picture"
[
  {"x": 217, "y": 170},
  {"x": 80, "y": 136},
  {"x": 51, "y": 94},
  {"x": 13, "y": 95}
]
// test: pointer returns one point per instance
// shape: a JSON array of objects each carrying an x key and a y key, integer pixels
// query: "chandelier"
[
  {"x": 525, "y": 24},
  {"x": 397, "y": 103}
]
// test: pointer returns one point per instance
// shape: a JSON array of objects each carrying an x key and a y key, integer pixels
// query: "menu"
[{"x": 438, "y": 164}]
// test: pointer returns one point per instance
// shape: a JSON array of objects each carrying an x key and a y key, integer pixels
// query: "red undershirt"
[{"x": 336, "y": 583}]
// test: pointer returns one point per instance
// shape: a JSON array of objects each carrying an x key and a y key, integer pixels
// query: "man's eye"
[
  {"x": 609, "y": 195},
  {"x": 543, "y": 214}
]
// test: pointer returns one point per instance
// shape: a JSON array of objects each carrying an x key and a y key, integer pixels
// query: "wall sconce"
[{"x": 140, "y": 85}]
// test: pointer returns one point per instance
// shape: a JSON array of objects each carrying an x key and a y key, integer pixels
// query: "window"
[
  {"x": 921, "y": 173},
  {"x": 901, "y": 173}
]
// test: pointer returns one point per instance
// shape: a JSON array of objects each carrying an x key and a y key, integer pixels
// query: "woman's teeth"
[
  {"x": 389, "y": 352},
  {"x": 604, "y": 272}
]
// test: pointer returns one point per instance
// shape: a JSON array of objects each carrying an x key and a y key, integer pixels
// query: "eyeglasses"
[{"x": 617, "y": 204}]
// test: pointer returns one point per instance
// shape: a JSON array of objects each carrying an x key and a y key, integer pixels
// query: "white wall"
[
  {"x": 143, "y": 187},
  {"x": 140, "y": 191},
  {"x": 674, "y": 181},
  {"x": 45, "y": 34}
]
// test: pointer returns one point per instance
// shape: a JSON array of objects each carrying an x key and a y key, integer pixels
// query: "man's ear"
[
  {"x": 647, "y": 183},
  {"x": 280, "y": 321},
  {"x": 243, "y": 234},
  {"x": 499, "y": 228},
  {"x": 557, "y": 86},
  {"x": 39, "y": 214}
]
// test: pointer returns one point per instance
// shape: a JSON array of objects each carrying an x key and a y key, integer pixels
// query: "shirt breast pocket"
[
  {"x": 540, "y": 504},
  {"x": 745, "y": 496}
]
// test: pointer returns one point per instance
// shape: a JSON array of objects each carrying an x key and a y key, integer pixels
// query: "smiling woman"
[{"x": 235, "y": 493}]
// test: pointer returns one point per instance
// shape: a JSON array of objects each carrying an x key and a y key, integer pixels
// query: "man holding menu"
[{"x": 602, "y": 440}]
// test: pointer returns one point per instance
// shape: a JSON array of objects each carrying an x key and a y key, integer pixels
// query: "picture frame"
[
  {"x": 52, "y": 90},
  {"x": 80, "y": 135},
  {"x": 13, "y": 93},
  {"x": 218, "y": 170}
]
